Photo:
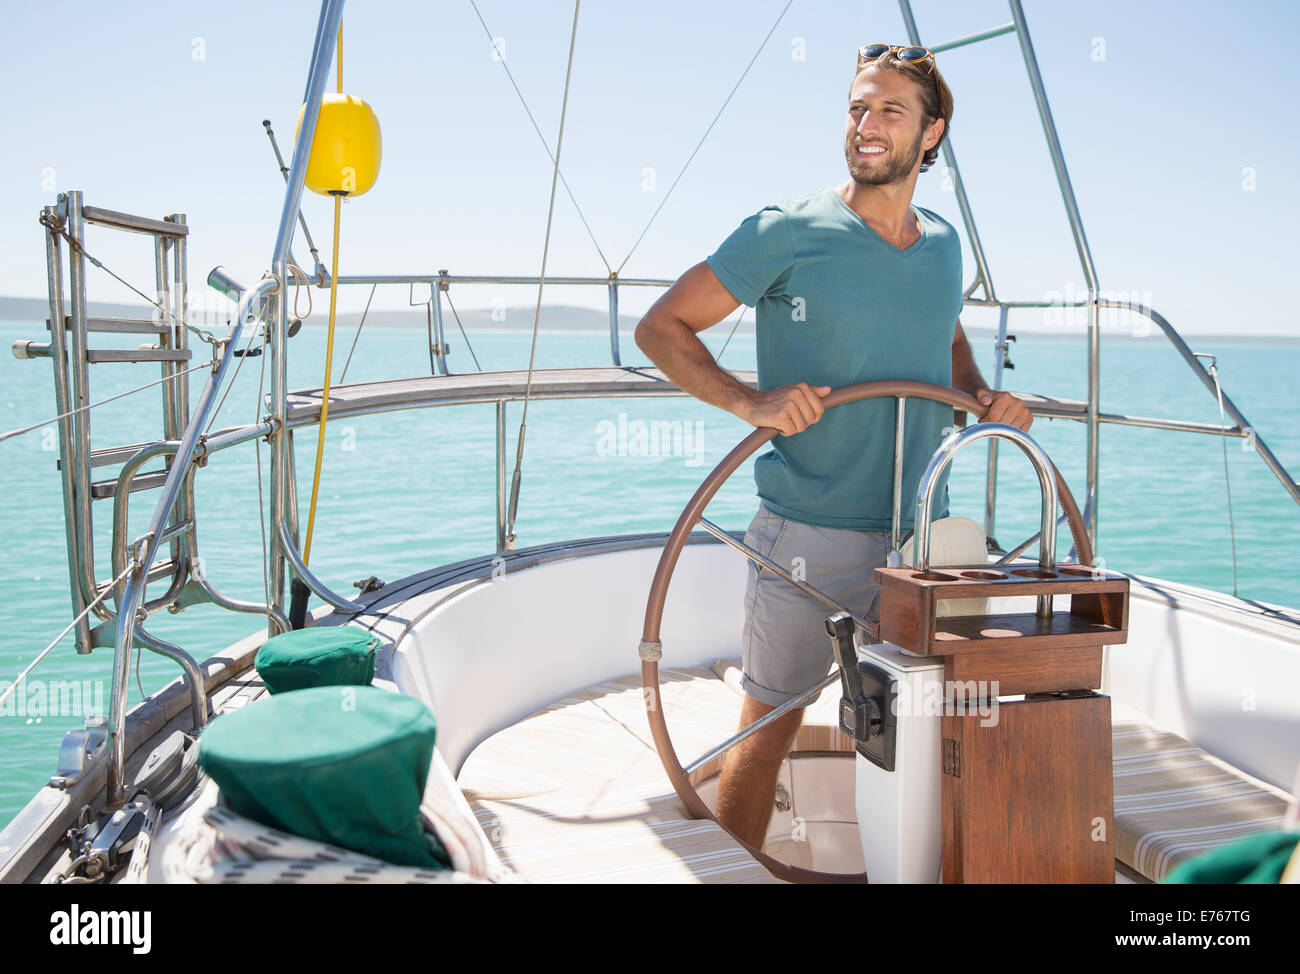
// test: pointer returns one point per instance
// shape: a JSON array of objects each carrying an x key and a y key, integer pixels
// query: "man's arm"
[
  {"x": 1003, "y": 406},
  {"x": 668, "y": 335}
]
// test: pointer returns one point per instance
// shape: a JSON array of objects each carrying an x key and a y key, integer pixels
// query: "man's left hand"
[{"x": 1004, "y": 408}]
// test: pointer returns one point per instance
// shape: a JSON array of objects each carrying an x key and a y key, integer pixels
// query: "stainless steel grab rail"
[
  {"x": 146, "y": 549},
  {"x": 1046, "y": 482},
  {"x": 284, "y": 527}
]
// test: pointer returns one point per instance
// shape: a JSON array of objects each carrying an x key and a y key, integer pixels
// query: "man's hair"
[{"x": 936, "y": 97}]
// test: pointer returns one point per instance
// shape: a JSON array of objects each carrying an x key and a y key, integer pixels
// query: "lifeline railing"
[{"x": 442, "y": 280}]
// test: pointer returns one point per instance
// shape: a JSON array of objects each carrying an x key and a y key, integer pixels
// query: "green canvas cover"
[
  {"x": 317, "y": 657},
  {"x": 344, "y": 765},
  {"x": 1258, "y": 858}
]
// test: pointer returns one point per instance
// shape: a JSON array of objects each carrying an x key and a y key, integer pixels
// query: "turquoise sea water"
[{"x": 410, "y": 490}]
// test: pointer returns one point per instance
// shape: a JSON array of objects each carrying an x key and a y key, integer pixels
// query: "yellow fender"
[{"x": 347, "y": 148}]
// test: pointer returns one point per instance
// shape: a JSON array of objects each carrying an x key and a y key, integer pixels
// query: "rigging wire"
[
  {"x": 86, "y": 611},
  {"x": 739, "y": 319},
  {"x": 206, "y": 336},
  {"x": 541, "y": 281},
  {"x": 523, "y": 101},
  {"x": 57, "y": 228},
  {"x": 254, "y": 333},
  {"x": 706, "y": 134},
  {"x": 360, "y": 324},
  {"x": 302, "y": 220},
  {"x": 462, "y": 330},
  {"x": 121, "y": 395}
]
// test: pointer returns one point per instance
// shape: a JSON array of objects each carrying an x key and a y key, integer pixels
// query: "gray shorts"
[{"x": 784, "y": 646}]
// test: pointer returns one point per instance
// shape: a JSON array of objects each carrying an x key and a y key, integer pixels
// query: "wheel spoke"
[
  {"x": 1025, "y": 545},
  {"x": 759, "y": 559},
  {"x": 762, "y": 722}
]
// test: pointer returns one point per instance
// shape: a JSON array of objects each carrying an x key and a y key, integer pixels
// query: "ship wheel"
[{"x": 651, "y": 648}]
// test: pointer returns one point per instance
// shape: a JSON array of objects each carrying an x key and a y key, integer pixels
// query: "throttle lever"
[{"x": 860, "y": 715}]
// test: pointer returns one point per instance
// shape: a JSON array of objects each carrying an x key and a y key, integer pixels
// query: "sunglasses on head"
[{"x": 909, "y": 55}]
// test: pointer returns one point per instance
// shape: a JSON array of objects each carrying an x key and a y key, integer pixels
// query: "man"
[{"x": 851, "y": 284}]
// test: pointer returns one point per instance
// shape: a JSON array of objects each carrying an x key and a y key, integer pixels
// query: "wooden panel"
[
  {"x": 906, "y": 618},
  {"x": 1110, "y": 608},
  {"x": 1097, "y": 614},
  {"x": 1029, "y": 799},
  {"x": 947, "y": 582},
  {"x": 1029, "y": 670},
  {"x": 1017, "y": 630}
]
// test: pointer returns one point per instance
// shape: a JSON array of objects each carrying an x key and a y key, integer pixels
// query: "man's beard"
[{"x": 898, "y": 168}]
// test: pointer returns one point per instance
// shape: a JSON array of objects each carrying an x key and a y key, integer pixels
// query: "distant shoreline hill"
[{"x": 570, "y": 318}]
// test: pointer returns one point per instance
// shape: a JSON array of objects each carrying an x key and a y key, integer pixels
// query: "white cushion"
[{"x": 954, "y": 541}]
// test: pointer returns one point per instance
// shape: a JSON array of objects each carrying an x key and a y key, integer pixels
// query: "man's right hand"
[{"x": 788, "y": 409}]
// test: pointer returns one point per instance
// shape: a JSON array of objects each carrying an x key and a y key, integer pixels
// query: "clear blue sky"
[{"x": 154, "y": 107}]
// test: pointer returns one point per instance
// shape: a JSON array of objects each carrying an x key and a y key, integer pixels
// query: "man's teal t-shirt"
[{"x": 837, "y": 304}]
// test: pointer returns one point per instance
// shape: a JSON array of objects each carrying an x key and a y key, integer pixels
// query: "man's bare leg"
[{"x": 747, "y": 785}]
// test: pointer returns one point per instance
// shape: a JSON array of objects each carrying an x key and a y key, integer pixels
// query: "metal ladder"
[
  {"x": 184, "y": 447},
  {"x": 71, "y": 354}
]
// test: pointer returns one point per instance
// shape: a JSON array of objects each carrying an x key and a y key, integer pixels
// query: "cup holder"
[
  {"x": 989, "y": 576},
  {"x": 934, "y": 577},
  {"x": 1033, "y": 573},
  {"x": 1083, "y": 572}
]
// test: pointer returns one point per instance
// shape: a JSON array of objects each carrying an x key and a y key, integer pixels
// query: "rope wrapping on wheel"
[{"x": 691, "y": 516}]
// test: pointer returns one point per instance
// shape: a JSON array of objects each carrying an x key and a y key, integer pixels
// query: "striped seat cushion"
[
  {"x": 598, "y": 735},
  {"x": 1174, "y": 800},
  {"x": 619, "y": 835},
  {"x": 601, "y": 734},
  {"x": 576, "y": 793},
  {"x": 589, "y": 760}
]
